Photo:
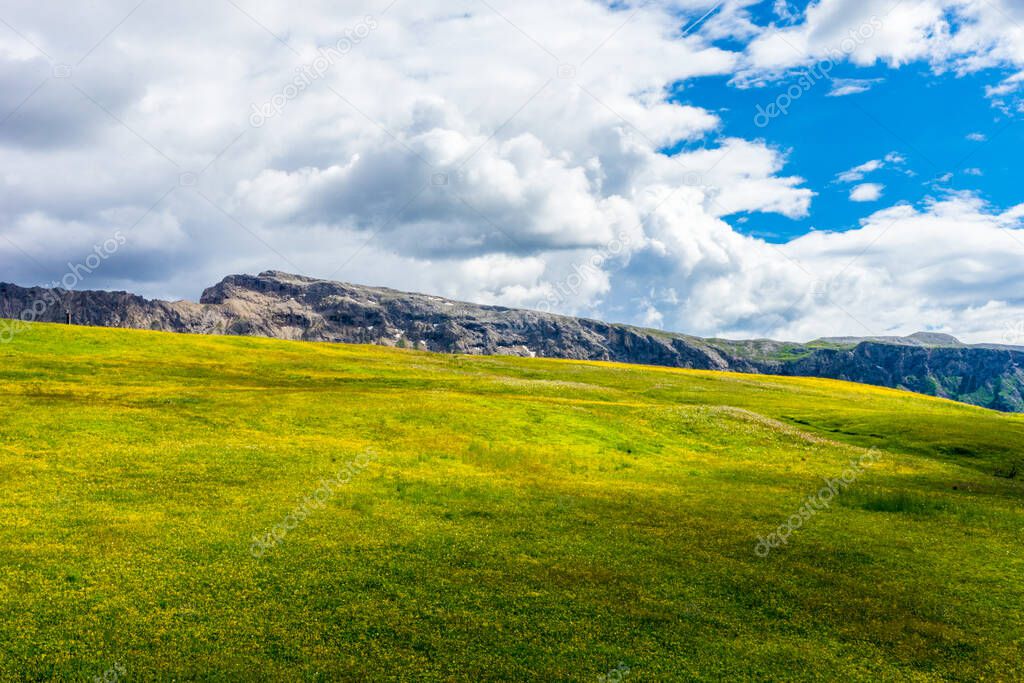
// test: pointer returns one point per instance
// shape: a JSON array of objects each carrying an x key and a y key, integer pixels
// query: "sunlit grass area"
[{"x": 232, "y": 509}]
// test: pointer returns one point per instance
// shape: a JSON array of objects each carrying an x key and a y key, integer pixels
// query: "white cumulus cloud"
[{"x": 866, "y": 192}]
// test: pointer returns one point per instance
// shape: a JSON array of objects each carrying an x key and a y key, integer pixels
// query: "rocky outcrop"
[
  {"x": 984, "y": 376},
  {"x": 285, "y": 306}
]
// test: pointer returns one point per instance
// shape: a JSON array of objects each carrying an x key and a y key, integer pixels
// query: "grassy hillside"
[{"x": 229, "y": 508}]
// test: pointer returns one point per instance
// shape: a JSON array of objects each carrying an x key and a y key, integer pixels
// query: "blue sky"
[{"x": 931, "y": 121}]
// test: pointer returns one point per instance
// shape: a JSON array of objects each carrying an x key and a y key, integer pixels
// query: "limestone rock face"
[{"x": 285, "y": 306}]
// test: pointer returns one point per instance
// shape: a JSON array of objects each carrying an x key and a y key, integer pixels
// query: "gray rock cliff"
[{"x": 284, "y": 306}]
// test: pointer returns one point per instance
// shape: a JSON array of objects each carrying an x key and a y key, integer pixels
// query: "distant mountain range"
[{"x": 284, "y": 306}]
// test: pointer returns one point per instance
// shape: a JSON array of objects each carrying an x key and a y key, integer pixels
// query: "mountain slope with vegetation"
[
  {"x": 284, "y": 306},
  {"x": 230, "y": 508}
]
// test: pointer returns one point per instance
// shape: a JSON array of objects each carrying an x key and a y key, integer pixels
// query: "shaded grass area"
[{"x": 518, "y": 519}]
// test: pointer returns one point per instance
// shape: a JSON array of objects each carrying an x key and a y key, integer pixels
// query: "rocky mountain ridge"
[{"x": 285, "y": 306}]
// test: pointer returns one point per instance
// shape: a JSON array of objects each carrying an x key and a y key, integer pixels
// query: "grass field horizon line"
[{"x": 606, "y": 363}]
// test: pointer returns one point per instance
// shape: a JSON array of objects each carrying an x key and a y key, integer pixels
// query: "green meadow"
[{"x": 207, "y": 508}]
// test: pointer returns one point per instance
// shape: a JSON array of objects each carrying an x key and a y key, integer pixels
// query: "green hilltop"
[{"x": 221, "y": 508}]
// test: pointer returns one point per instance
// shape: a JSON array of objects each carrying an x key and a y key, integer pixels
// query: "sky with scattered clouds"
[{"x": 742, "y": 169}]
